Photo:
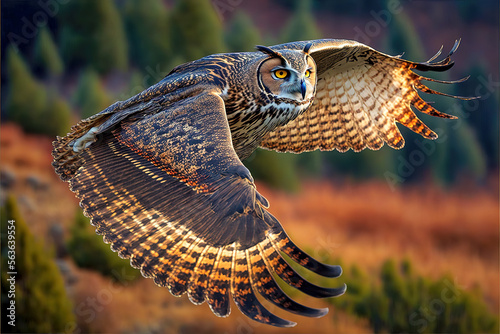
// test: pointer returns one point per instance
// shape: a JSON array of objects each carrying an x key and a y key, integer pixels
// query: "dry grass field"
[{"x": 452, "y": 232}]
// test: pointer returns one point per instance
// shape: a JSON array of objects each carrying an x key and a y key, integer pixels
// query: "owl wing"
[
  {"x": 169, "y": 192},
  {"x": 360, "y": 95}
]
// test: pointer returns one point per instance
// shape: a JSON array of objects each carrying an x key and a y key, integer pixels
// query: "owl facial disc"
[{"x": 289, "y": 75}]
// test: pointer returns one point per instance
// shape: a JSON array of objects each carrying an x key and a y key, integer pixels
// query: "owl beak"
[{"x": 303, "y": 88}]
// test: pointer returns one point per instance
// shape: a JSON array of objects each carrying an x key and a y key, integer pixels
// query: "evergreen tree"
[
  {"x": 47, "y": 56},
  {"x": 278, "y": 170},
  {"x": 470, "y": 12},
  {"x": 27, "y": 112},
  {"x": 242, "y": 35},
  {"x": 472, "y": 157},
  {"x": 146, "y": 23},
  {"x": 42, "y": 112},
  {"x": 482, "y": 114},
  {"x": 90, "y": 95},
  {"x": 459, "y": 153},
  {"x": 89, "y": 251},
  {"x": 137, "y": 82},
  {"x": 57, "y": 118},
  {"x": 302, "y": 25},
  {"x": 41, "y": 303},
  {"x": 403, "y": 37},
  {"x": 467, "y": 146},
  {"x": 196, "y": 29},
  {"x": 92, "y": 34}
]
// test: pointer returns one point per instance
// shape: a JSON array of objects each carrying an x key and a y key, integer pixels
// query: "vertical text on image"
[{"x": 11, "y": 272}]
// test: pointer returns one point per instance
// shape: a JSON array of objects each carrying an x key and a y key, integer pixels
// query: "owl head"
[{"x": 288, "y": 74}]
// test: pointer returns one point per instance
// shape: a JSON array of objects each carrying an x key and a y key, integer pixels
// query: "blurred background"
[{"x": 416, "y": 230}]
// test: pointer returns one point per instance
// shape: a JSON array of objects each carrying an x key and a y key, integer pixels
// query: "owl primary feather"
[{"x": 161, "y": 176}]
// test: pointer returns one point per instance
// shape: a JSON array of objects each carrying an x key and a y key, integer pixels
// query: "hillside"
[{"x": 360, "y": 223}]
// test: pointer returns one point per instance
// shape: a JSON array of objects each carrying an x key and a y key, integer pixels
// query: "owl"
[{"x": 161, "y": 175}]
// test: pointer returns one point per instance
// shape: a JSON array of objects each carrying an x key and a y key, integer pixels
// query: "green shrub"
[
  {"x": 41, "y": 303},
  {"x": 403, "y": 302},
  {"x": 89, "y": 251}
]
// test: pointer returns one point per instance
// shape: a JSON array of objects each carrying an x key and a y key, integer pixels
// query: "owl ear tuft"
[
  {"x": 307, "y": 48},
  {"x": 270, "y": 52}
]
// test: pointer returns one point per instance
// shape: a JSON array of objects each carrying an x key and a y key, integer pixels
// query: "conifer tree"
[
  {"x": 482, "y": 114},
  {"x": 302, "y": 25},
  {"x": 92, "y": 34},
  {"x": 196, "y": 30},
  {"x": 57, "y": 116},
  {"x": 459, "y": 154},
  {"x": 279, "y": 170},
  {"x": 242, "y": 35},
  {"x": 90, "y": 95},
  {"x": 46, "y": 54},
  {"x": 42, "y": 112},
  {"x": 403, "y": 37},
  {"x": 27, "y": 112},
  {"x": 41, "y": 303},
  {"x": 146, "y": 23}
]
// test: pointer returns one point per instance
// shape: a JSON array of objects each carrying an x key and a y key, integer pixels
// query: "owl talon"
[{"x": 85, "y": 141}]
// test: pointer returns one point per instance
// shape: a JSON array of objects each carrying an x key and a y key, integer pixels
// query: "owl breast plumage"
[{"x": 161, "y": 175}]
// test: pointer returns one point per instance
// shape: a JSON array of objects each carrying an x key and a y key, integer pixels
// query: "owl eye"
[
  {"x": 280, "y": 74},
  {"x": 307, "y": 74}
]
